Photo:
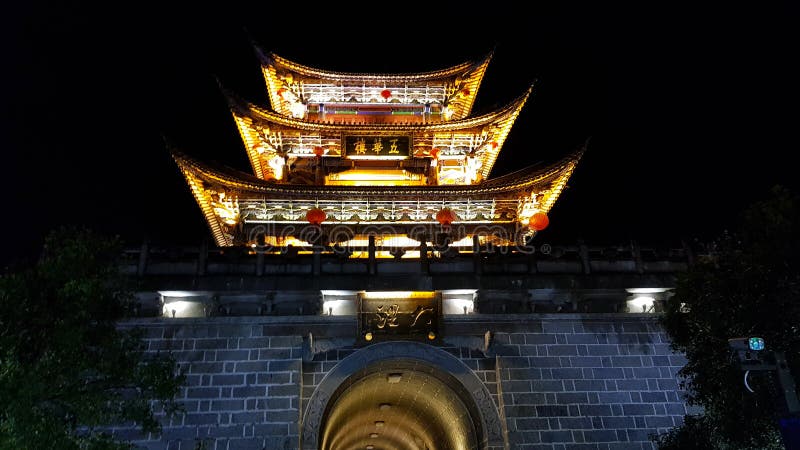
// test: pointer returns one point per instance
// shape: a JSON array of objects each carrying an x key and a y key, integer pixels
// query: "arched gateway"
[
  {"x": 369, "y": 229},
  {"x": 403, "y": 395}
]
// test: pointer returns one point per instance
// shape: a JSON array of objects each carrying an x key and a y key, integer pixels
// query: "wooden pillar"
[
  {"x": 583, "y": 251},
  {"x": 143, "y": 253},
  {"x": 533, "y": 266},
  {"x": 371, "y": 269},
  {"x": 423, "y": 256},
  {"x": 317, "y": 260},
  {"x": 202, "y": 258},
  {"x": 260, "y": 260},
  {"x": 319, "y": 173},
  {"x": 636, "y": 251},
  {"x": 477, "y": 267},
  {"x": 687, "y": 250}
]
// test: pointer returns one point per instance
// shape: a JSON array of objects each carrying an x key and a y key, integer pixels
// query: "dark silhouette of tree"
[
  {"x": 67, "y": 372},
  {"x": 747, "y": 285}
]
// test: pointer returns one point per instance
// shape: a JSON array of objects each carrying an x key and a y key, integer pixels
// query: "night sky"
[{"x": 692, "y": 110}]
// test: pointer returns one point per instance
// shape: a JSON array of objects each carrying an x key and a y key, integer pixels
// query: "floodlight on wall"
[
  {"x": 641, "y": 304},
  {"x": 646, "y": 290},
  {"x": 458, "y": 301},
  {"x": 338, "y": 307},
  {"x": 180, "y": 304},
  {"x": 645, "y": 299}
]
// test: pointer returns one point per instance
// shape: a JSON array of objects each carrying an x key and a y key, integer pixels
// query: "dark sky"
[{"x": 692, "y": 110}]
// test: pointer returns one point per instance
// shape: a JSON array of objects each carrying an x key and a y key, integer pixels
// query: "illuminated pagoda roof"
[
  {"x": 476, "y": 140},
  {"x": 234, "y": 203},
  {"x": 395, "y": 156},
  {"x": 447, "y": 93}
]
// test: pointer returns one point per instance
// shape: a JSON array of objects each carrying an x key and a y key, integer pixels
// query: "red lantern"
[
  {"x": 538, "y": 221},
  {"x": 494, "y": 145},
  {"x": 435, "y": 152},
  {"x": 280, "y": 92},
  {"x": 446, "y": 216},
  {"x": 319, "y": 151},
  {"x": 386, "y": 94},
  {"x": 315, "y": 216},
  {"x": 465, "y": 92}
]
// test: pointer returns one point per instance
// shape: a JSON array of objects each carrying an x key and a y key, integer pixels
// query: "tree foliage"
[
  {"x": 67, "y": 372},
  {"x": 746, "y": 284}
]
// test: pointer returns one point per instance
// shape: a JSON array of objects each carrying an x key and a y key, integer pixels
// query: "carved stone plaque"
[{"x": 384, "y": 316}]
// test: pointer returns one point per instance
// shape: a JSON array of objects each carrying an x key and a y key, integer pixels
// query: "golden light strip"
[
  {"x": 558, "y": 186},
  {"x": 205, "y": 205},
  {"x": 251, "y": 140},
  {"x": 273, "y": 84},
  {"x": 491, "y": 155},
  {"x": 385, "y": 222},
  {"x": 372, "y": 157},
  {"x": 283, "y": 63},
  {"x": 509, "y": 111},
  {"x": 273, "y": 63},
  {"x": 506, "y": 185},
  {"x": 473, "y": 85},
  {"x": 381, "y": 295}
]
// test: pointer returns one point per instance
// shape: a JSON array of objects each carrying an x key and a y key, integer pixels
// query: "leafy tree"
[
  {"x": 747, "y": 285},
  {"x": 67, "y": 372}
]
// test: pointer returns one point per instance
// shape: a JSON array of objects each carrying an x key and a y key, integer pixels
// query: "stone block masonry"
[{"x": 558, "y": 381}]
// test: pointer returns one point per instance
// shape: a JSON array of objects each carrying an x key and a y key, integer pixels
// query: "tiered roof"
[
  {"x": 266, "y": 134},
  {"x": 453, "y": 87},
  {"x": 371, "y": 150}
]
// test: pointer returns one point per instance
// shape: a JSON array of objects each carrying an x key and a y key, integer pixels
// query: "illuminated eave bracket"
[
  {"x": 228, "y": 198},
  {"x": 261, "y": 129}
]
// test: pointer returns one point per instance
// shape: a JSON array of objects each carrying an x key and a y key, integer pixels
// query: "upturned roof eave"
[
  {"x": 520, "y": 180},
  {"x": 267, "y": 59}
]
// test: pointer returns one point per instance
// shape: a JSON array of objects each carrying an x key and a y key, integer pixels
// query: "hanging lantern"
[
  {"x": 315, "y": 216},
  {"x": 494, "y": 145},
  {"x": 386, "y": 93},
  {"x": 435, "y": 153},
  {"x": 538, "y": 221},
  {"x": 446, "y": 216},
  {"x": 280, "y": 92},
  {"x": 319, "y": 151},
  {"x": 465, "y": 92}
]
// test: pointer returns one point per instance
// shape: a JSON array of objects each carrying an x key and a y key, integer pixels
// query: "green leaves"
[
  {"x": 67, "y": 372},
  {"x": 747, "y": 284}
]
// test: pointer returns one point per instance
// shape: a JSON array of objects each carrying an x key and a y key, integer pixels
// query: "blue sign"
[{"x": 756, "y": 343}]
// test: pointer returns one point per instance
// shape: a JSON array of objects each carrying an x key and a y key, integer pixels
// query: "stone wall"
[
  {"x": 558, "y": 381},
  {"x": 588, "y": 383}
]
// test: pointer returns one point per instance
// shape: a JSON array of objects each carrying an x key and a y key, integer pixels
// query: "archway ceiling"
[{"x": 424, "y": 413}]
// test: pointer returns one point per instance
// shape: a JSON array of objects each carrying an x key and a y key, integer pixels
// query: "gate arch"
[{"x": 473, "y": 392}]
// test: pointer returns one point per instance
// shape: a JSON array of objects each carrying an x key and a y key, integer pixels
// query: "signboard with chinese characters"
[
  {"x": 384, "y": 316},
  {"x": 377, "y": 146}
]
